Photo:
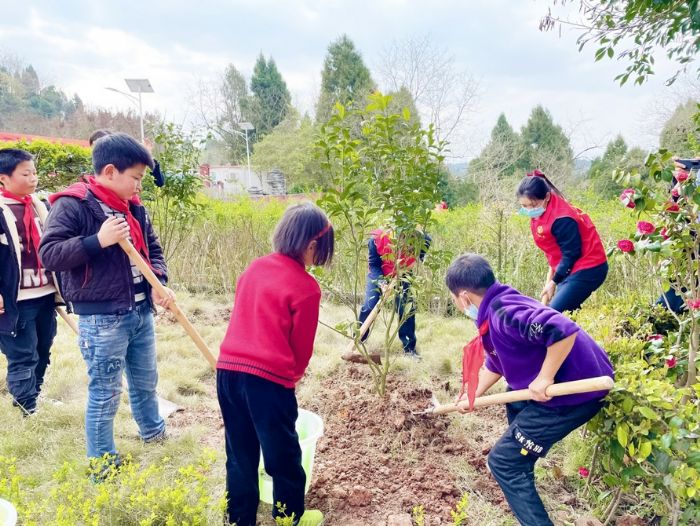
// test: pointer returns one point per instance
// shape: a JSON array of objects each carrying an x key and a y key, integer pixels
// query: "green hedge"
[{"x": 58, "y": 165}]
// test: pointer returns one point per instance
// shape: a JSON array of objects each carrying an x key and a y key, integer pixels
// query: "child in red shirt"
[{"x": 267, "y": 347}]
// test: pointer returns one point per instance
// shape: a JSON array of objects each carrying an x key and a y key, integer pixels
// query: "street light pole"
[
  {"x": 136, "y": 86},
  {"x": 247, "y": 151},
  {"x": 246, "y": 126},
  {"x": 141, "y": 118}
]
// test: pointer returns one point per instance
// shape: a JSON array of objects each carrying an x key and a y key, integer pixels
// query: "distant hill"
[
  {"x": 581, "y": 166},
  {"x": 458, "y": 169}
]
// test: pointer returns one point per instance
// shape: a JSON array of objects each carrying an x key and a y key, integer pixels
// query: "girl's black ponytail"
[{"x": 536, "y": 185}]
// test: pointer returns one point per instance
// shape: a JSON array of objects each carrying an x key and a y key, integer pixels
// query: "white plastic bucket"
[
  {"x": 309, "y": 428},
  {"x": 8, "y": 514}
]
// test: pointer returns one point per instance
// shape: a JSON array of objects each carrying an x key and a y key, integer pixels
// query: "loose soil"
[{"x": 376, "y": 458}]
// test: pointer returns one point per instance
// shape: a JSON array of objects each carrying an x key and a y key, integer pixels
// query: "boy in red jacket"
[{"x": 265, "y": 352}]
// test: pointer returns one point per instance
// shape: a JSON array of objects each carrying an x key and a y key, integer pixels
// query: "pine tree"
[
  {"x": 545, "y": 145},
  {"x": 501, "y": 155},
  {"x": 344, "y": 78},
  {"x": 271, "y": 98}
]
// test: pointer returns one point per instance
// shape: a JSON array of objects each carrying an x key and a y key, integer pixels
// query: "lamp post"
[
  {"x": 246, "y": 126},
  {"x": 136, "y": 86}
]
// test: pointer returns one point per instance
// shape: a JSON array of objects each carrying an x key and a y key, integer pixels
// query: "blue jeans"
[
  {"x": 577, "y": 287},
  {"x": 532, "y": 430},
  {"x": 28, "y": 351},
  {"x": 114, "y": 344},
  {"x": 407, "y": 329}
]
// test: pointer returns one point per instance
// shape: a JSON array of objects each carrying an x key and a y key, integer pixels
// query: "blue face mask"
[
  {"x": 532, "y": 213},
  {"x": 472, "y": 312}
]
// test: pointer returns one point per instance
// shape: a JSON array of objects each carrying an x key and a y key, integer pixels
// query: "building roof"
[{"x": 9, "y": 137}]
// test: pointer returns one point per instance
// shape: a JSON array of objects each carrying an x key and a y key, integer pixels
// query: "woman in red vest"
[{"x": 569, "y": 240}]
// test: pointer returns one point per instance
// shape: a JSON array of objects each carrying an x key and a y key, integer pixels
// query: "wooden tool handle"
[
  {"x": 599, "y": 383},
  {"x": 67, "y": 318},
  {"x": 136, "y": 258},
  {"x": 372, "y": 315}
]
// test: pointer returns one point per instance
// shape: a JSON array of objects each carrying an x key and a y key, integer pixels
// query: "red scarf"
[
  {"x": 472, "y": 360},
  {"x": 30, "y": 228},
  {"x": 113, "y": 201}
]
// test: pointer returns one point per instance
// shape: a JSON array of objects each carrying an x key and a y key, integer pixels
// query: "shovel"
[
  {"x": 599, "y": 383},
  {"x": 350, "y": 355},
  {"x": 137, "y": 260},
  {"x": 165, "y": 407}
]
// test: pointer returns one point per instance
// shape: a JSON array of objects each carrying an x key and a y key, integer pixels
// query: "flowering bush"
[
  {"x": 646, "y": 455},
  {"x": 670, "y": 198}
]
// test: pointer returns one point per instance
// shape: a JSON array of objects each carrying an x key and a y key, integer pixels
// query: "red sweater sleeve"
[{"x": 303, "y": 331}]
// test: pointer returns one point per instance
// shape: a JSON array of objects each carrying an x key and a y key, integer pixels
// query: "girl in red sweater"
[
  {"x": 569, "y": 240},
  {"x": 265, "y": 352}
]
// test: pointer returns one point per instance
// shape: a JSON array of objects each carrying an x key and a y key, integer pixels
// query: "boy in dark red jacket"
[
  {"x": 532, "y": 346},
  {"x": 110, "y": 295},
  {"x": 27, "y": 290},
  {"x": 264, "y": 354}
]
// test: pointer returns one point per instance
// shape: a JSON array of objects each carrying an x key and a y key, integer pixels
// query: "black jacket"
[
  {"x": 93, "y": 280},
  {"x": 10, "y": 268},
  {"x": 9, "y": 279}
]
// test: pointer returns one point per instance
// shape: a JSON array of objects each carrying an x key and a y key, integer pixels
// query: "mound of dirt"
[{"x": 377, "y": 458}]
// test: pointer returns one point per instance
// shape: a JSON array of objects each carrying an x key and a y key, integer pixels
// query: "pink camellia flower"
[
  {"x": 655, "y": 337},
  {"x": 664, "y": 233},
  {"x": 644, "y": 228},
  {"x": 583, "y": 472},
  {"x": 675, "y": 192},
  {"x": 625, "y": 245},
  {"x": 672, "y": 207},
  {"x": 671, "y": 362},
  {"x": 681, "y": 175},
  {"x": 694, "y": 304},
  {"x": 627, "y": 197}
]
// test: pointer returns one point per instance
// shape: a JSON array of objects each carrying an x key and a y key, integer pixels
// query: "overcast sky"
[{"x": 84, "y": 46}]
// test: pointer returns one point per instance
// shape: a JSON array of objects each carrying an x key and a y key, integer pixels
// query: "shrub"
[
  {"x": 156, "y": 495},
  {"x": 58, "y": 165}
]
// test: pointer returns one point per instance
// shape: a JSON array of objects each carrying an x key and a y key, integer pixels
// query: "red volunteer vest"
[
  {"x": 592, "y": 250},
  {"x": 382, "y": 240}
]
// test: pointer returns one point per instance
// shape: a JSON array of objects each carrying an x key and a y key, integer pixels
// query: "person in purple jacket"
[{"x": 532, "y": 346}]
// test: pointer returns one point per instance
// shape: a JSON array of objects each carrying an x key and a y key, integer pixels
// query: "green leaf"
[
  {"x": 622, "y": 435},
  {"x": 645, "y": 449},
  {"x": 648, "y": 413},
  {"x": 666, "y": 440}
]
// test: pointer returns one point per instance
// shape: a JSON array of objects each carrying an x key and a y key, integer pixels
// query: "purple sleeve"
[
  {"x": 536, "y": 325},
  {"x": 493, "y": 364}
]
